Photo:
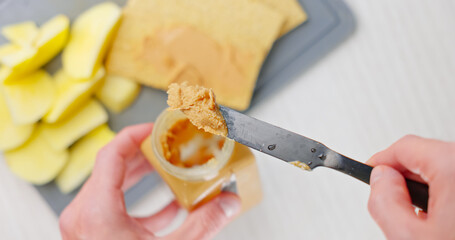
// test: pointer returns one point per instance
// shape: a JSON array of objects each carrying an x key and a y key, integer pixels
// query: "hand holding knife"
[{"x": 304, "y": 152}]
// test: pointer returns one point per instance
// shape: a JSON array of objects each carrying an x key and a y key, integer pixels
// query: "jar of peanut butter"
[{"x": 197, "y": 165}]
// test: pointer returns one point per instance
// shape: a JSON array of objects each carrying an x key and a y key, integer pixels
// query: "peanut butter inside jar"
[
  {"x": 186, "y": 146},
  {"x": 196, "y": 165}
]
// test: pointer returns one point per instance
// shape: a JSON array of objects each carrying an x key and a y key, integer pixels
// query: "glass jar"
[
  {"x": 195, "y": 185},
  {"x": 203, "y": 172}
]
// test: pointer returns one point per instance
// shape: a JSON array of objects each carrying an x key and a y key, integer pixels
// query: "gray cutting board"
[{"x": 329, "y": 23}]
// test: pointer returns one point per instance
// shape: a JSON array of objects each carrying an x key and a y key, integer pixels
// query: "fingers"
[
  {"x": 390, "y": 203},
  {"x": 161, "y": 219},
  {"x": 421, "y": 214},
  {"x": 136, "y": 169},
  {"x": 417, "y": 155},
  {"x": 206, "y": 221},
  {"x": 110, "y": 166},
  {"x": 129, "y": 139}
]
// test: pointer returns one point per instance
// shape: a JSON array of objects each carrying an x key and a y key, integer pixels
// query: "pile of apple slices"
[{"x": 51, "y": 127}]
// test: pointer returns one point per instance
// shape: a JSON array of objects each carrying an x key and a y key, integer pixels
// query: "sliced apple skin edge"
[
  {"x": 80, "y": 60},
  {"x": 46, "y": 51},
  {"x": 63, "y": 134},
  {"x": 36, "y": 161},
  {"x": 12, "y": 135},
  {"x": 30, "y": 99},
  {"x": 82, "y": 158},
  {"x": 59, "y": 112}
]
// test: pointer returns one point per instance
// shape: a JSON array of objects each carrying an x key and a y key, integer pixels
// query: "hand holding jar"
[{"x": 99, "y": 212}]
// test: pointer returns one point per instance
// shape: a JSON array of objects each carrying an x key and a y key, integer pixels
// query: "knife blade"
[{"x": 303, "y": 152}]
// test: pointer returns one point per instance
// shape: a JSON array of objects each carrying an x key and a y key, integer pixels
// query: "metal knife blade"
[{"x": 273, "y": 140}]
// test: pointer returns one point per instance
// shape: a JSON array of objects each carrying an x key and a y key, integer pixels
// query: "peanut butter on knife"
[{"x": 199, "y": 105}]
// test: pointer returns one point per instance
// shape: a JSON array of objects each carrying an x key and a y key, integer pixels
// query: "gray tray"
[{"x": 329, "y": 23}]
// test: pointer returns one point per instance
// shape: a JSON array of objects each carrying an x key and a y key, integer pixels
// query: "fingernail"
[
  {"x": 230, "y": 205},
  {"x": 382, "y": 171},
  {"x": 377, "y": 173}
]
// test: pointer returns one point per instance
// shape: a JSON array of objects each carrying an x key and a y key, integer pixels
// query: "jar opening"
[
  {"x": 186, "y": 146},
  {"x": 187, "y": 152}
]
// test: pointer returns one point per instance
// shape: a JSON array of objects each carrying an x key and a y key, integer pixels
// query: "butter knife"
[{"x": 304, "y": 152}]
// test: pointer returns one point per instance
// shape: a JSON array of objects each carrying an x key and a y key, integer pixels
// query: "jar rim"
[{"x": 202, "y": 172}]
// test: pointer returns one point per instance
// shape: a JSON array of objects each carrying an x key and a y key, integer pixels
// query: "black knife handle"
[{"x": 417, "y": 191}]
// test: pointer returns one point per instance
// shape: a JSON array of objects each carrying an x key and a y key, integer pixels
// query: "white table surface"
[{"x": 394, "y": 76}]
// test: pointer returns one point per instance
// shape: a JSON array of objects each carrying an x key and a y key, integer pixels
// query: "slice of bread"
[
  {"x": 291, "y": 9},
  {"x": 218, "y": 44}
]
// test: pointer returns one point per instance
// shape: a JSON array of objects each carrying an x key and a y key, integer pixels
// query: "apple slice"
[
  {"x": 36, "y": 161},
  {"x": 72, "y": 94},
  {"x": 8, "y": 49},
  {"x": 7, "y": 75},
  {"x": 51, "y": 38},
  {"x": 117, "y": 93},
  {"x": 11, "y": 135},
  {"x": 23, "y": 34},
  {"x": 82, "y": 158},
  {"x": 18, "y": 58},
  {"x": 91, "y": 35},
  {"x": 30, "y": 98},
  {"x": 64, "y": 133}
]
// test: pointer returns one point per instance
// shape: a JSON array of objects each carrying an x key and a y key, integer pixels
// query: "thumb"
[
  {"x": 206, "y": 221},
  {"x": 390, "y": 204}
]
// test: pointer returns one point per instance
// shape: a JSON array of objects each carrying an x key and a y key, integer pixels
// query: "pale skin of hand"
[
  {"x": 420, "y": 159},
  {"x": 98, "y": 211}
]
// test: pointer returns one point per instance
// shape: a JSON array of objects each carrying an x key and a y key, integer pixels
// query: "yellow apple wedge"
[
  {"x": 14, "y": 55},
  {"x": 82, "y": 158},
  {"x": 6, "y": 74},
  {"x": 19, "y": 58},
  {"x": 23, "y": 34},
  {"x": 90, "y": 37},
  {"x": 117, "y": 93},
  {"x": 72, "y": 94},
  {"x": 64, "y": 133},
  {"x": 11, "y": 135},
  {"x": 7, "y": 49},
  {"x": 51, "y": 38},
  {"x": 30, "y": 98},
  {"x": 36, "y": 161}
]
